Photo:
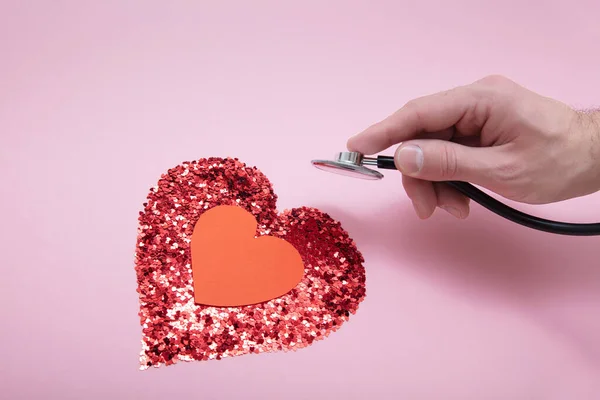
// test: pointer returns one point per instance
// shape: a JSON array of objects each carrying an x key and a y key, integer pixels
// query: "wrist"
[
  {"x": 593, "y": 125},
  {"x": 596, "y": 123},
  {"x": 590, "y": 129}
]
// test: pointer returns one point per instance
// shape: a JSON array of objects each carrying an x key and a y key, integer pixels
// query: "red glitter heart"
[{"x": 176, "y": 328}]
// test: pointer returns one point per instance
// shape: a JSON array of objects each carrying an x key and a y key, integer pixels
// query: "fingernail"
[
  {"x": 410, "y": 159},
  {"x": 452, "y": 211}
]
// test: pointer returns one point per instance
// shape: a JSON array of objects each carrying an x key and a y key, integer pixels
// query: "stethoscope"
[{"x": 355, "y": 165}]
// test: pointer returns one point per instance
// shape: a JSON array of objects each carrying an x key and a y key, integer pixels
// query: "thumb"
[{"x": 440, "y": 160}]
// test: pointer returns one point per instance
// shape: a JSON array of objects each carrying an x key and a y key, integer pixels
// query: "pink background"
[{"x": 97, "y": 99}]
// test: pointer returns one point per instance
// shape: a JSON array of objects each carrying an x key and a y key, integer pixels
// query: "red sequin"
[{"x": 175, "y": 328}]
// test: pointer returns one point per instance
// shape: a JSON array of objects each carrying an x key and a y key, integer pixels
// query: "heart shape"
[
  {"x": 231, "y": 268},
  {"x": 175, "y": 328}
]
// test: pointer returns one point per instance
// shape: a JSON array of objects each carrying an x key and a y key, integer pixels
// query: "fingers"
[
  {"x": 422, "y": 195},
  {"x": 427, "y": 196},
  {"x": 451, "y": 201},
  {"x": 440, "y": 160},
  {"x": 434, "y": 113}
]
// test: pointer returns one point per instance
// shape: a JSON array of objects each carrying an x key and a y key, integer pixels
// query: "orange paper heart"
[{"x": 231, "y": 267}]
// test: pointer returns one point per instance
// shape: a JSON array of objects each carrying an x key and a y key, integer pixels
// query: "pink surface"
[{"x": 97, "y": 99}]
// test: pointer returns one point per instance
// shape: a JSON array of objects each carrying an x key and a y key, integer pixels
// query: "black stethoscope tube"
[{"x": 501, "y": 209}]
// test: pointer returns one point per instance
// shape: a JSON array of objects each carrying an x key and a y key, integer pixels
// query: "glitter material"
[{"x": 176, "y": 328}]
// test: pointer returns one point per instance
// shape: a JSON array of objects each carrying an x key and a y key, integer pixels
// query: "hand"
[{"x": 494, "y": 134}]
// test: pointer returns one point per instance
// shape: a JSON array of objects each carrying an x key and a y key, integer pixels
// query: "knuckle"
[
  {"x": 388, "y": 136},
  {"x": 511, "y": 180},
  {"x": 448, "y": 163},
  {"x": 413, "y": 107},
  {"x": 508, "y": 172},
  {"x": 411, "y": 104},
  {"x": 494, "y": 80}
]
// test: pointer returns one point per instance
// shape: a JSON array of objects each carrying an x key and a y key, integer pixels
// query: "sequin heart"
[
  {"x": 176, "y": 328},
  {"x": 232, "y": 268}
]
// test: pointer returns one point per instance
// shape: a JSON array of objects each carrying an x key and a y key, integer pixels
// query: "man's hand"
[{"x": 492, "y": 133}]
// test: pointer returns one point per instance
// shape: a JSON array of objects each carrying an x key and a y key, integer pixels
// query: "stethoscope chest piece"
[{"x": 351, "y": 164}]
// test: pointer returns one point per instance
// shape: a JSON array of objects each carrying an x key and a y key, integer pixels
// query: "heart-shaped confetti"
[{"x": 175, "y": 327}]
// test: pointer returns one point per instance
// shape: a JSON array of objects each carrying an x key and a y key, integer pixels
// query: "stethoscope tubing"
[{"x": 509, "y": 213}]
